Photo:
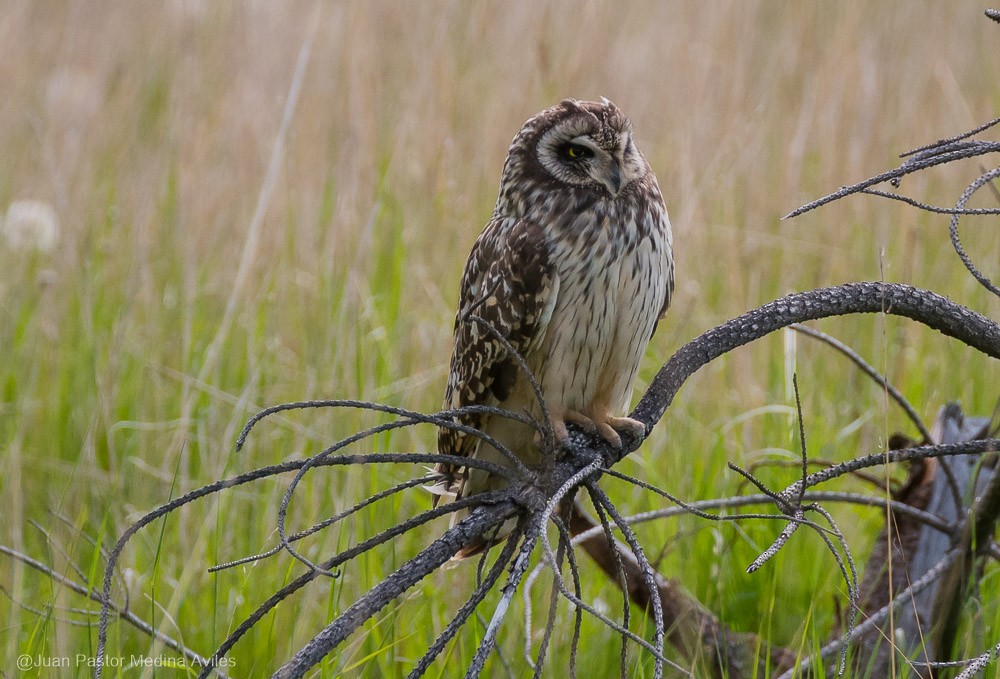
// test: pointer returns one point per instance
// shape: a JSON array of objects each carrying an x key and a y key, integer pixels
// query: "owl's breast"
[{"x": 611, "y": 290}]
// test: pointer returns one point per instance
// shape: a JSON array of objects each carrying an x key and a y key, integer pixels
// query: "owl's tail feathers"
[
  {"x": 493, "y": 537},
  {"x": 446, "y": 485}
]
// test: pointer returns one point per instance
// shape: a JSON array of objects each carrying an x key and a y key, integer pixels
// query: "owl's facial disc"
[
  {"x": 583, "y": 156},
  {"x": 603, "y": 159}
]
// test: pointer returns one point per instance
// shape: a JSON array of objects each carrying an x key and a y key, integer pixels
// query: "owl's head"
[{"x": 587, "y": 144}]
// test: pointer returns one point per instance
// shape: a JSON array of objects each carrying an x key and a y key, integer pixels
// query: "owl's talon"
[
  {"x": 634, "y": 427},
  {"x": 608, "y": 433},
  {"x": 559, "y": 432},
  {"x": 610, "y": 427},
  {"x": 580, "y": 420}
]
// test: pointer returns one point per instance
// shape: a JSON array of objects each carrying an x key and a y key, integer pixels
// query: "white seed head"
[{"x": 30, "y": 224}]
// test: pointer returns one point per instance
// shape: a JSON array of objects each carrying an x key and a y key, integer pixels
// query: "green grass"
[{"x": 149, "y": 129}]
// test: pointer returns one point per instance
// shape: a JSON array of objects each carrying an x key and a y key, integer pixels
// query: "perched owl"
[{"x": 574, "y": 269}]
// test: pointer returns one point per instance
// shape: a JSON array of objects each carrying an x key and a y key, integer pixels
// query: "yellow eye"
[{"x": 576, "y": 151}]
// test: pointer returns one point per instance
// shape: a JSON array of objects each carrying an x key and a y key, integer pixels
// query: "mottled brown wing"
[
  {"x": 670, "y": 292},
  {"x": 668, "y": 281},
  {"x": 509, "y": 283}
]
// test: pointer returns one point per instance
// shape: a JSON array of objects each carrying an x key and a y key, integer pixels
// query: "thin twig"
[
  {"x": 869, "y": 370},
  {"x": 649, "y": 577},
  {"x": 930, "y": 208},
  {"x": 967, "y": 150},
  {"x": 812, "y": 496},
  {"x": 951, "y": 140},
  {"x": 891, "y": 456},
  {"x": 555, "y": 565},
  {"x": 469, "y": 607},
  {"x": 345, "y": 556},
  {"x": 877, "y": 617},
  {"x": 410, "y": 417},
  {"x": 850, "y": 579},
  {"x": 695, "y": 508},
  {"x": 517, "y": 571},
  {"x": 413, "y": 571},
  {"x": 122, "y": 613},
  {"x": 325, "y": 524},
  {"x": 622, "y": 583},
  {"x": 953, "y": 230},
  {"x": 574, "y": 569}
]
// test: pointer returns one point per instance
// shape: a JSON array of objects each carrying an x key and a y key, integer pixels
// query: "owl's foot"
[
  {"x": 606, "y": 426},
  {"x": 580, "y": 420},
  {"x": 609, "y": 427},
  {"x": 559, "y": 425}
]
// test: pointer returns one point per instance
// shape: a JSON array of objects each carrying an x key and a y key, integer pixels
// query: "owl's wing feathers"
[
  {"x": 669, "y": 293},
  {"x": 509, "y": 283},
  {"x": 670, "y": 288}
]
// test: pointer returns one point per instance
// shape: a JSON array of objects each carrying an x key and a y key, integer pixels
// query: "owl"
[{"x": 574, "y": 270}]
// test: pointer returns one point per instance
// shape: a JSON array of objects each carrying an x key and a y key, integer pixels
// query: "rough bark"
[
  {"x": 934, "y": 311},
  {"x": 907, "y": 549},
  {"x": 701, "y": 638}
]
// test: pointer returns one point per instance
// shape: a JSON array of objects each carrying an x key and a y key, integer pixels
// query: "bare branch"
[
  {"x": 890, "y": 456},
  {"x": 931, "y": 208},
  {"x": 867, "y": 369},
  {"x": 263, "y": 472},
  {"x": 923, "y": 306},
  {"x": 468, "y": 608},
  {"x": 936, "y": 154},
  {"x": 951, "y": 140},
  {"x": 927, "y": 518},
  {"x": 414, "y": 570},
  {"x": 648, "y": 575},
  {"x": 981, "y": 181},
  {"x": 123, "y": 613},
  {"x": 345, "y": 556},
  {"x": 327, "y": 523},
  {"x": 535, "y": 528}
]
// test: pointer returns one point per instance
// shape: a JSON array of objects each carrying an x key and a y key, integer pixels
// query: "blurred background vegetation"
[{"x": 147, "y": 127}]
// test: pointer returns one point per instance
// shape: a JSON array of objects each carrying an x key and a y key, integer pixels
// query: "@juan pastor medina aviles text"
[{"x": 28, "y": 662}]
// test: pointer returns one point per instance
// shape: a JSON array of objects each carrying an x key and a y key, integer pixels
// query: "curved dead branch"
[
  {"x": 934, "y": 311},
  {"x": 923, "y": 306}
]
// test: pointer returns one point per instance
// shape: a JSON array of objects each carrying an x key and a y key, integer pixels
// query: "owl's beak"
[
  {"x": 607, "y": 171},
  {"x": 610, "y": 175},
  {"x": 615, "y": 177}
]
